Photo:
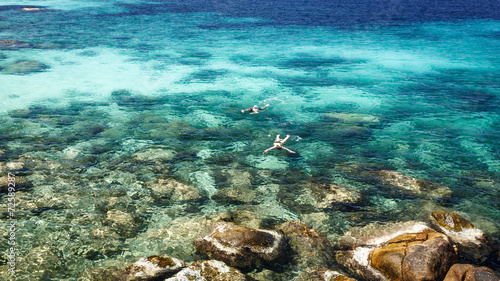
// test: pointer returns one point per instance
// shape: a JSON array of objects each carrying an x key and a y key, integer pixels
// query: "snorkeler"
[
  {"x": 255, "y": 109},
  {"x": 278, "y": 144}
]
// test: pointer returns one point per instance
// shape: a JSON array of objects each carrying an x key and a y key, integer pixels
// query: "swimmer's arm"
[{"x": 288, "y": 150}]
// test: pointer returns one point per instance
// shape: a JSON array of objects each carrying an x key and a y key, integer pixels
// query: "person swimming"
[
  {"x": 255, "y": 109},
  {"x": 278, "y": 144}
]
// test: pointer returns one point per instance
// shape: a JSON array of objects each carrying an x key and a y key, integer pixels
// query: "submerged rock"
[
  {"x": 154, "y": 155},
  {"x": 310, "y": 247},
  {"x": 152, "y": 268},
  {"x": 24, "y": 67},
  {"x": 321, "y": 274},
  {"x": 411, "y": 251},
  {"x": 472, "y": 243},
  {"x": 468, "y": 272},
  {"x": 241, "y": 246},
  {"x": 238, "y": 187},
  {"x": 173, "y": 190},
  {"x": 14, "y": 183},
  {"x": 127, "y": 225},
  {"x": 357, "y": 118},
  {"x": 396, "y": 181},
  {"x": 330, "y": 195},
  {"x": 209, "y": 270},
  {"x": 13, "y": 44}
]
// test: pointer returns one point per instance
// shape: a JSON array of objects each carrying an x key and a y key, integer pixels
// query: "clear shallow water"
[{"x": 418, "y": 90}]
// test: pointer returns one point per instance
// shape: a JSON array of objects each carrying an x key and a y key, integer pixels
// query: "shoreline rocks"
[
  {"x": 472, "y": 243},
  {"x": 409, "y": 251}
]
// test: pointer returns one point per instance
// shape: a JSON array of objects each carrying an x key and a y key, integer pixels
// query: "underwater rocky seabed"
[
  {"x": 106, "y": 178},
  {"x": 103, "y": 190}
]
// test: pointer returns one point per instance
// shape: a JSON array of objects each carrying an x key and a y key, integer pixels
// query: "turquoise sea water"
[{"x": 120, "y": 94}]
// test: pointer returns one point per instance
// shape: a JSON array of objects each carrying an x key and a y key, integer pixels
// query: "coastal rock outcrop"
[
  {"x": 208, "y": 270},
  {"x": 410, "y": 251},
  {"x": 468, "y": 272},
  {"x": 472, "y": 243},
  {"x": 240, "y": 246},
  {"x": 310, "y": 247}
]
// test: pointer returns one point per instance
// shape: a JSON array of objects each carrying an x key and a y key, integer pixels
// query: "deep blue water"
[{"x": 102, "y": 99}]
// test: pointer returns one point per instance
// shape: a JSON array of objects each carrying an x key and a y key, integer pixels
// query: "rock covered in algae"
[
  {"x": 468, "y": 272},
  {"x": 322, "y": 274},
  {"x": 409, "y": 251},
  {"x": 152, "y": 268},
  {"x": 310, "y": 247},
  {"x": 472, "y": 243},
  {"x": 208, "y": 270},
  {"x": 240, "y": 246}
]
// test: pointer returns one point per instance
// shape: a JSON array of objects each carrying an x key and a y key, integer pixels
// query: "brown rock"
[
  {"x": 414, "y": 256},
  {"x": 241, "y": 246},
  {"x": 399, "y": 251},
  {"x": 430, "y": 259},
  {"x": 468, "y": 272},
  {"x": 472, "y": 243}
]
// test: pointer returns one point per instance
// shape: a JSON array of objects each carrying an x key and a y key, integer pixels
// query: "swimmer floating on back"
[
  {"x": 254, "y": 110},
  {"x": 278, "y": 144}
]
